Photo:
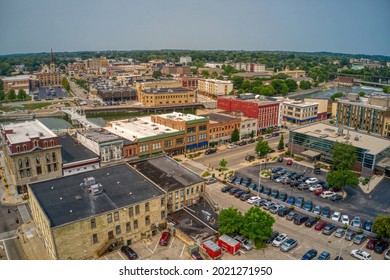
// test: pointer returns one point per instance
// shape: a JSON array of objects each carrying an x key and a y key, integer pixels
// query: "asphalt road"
[
  {"x": 8, "y": 220},
  {"x": 357, "y": 203}
]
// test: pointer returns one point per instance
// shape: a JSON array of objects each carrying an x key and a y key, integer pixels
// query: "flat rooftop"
[
  {"x": 16, "y": 78},
  {"x": 166, "y": 90},
  {"x": 24, "y": 131},
  {"x": 299, "y": 103},
  {"x": 220, "y": 118},
  {"x": 181, "y": 117},
  {"x": 135, "y": 129},
  {"x": 101, "y": 136},
  {"x": 255, "y": 100},
  {"x": 216, "y": 81},
  {"x": 167, "y": 173},
  {"x": 365, "y": 141},
  {"x": 64, "y": 201},
  {"x": 73, "y": 151}
]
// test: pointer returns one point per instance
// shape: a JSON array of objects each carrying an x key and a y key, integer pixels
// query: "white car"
[
  {"x": 279, "y": 240},
  {"x": 327, "y": 194},
  {"x": 278, "y": 180},
  {"x": 253, "y": 199},
  {"x": 232, "y": 146},
  {"x": 315, "y": 187},
  {"x": 361, "y": 255},
  {"x": 345, "y": 219},
  {"x": 336, "y": 216},
  {"x": 311, "y": 180}
]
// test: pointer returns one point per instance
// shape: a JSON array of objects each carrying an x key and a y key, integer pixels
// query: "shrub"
[
  {"x": 205, "y": 174},
  {"x": 178, "y": 160},
  {"x": 291, "y": 207}
]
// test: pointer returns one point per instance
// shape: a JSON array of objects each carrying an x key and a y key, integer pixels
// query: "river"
[{"x": 326, "y": 94}]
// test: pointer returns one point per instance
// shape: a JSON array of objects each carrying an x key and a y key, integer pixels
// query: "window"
[
  {"x": 24, "y": 147},
  {"x": 95, "y": 238},
  {"x": 146, "y": 206},
  {"x": 52, "y": 143},
  {"x": 191, "y": 139},
  {"x": 202, "y": 127},
  {"x": 176, "y": 195},
  {"x": 17, "y": 149},
  {"x": 202, "y": 136},
  {"x": 28, "y": 172},
  {"x": 147, "y": 220},
  {"x": 21, "y": 173},
  {"x": 27, "y": 162},
  {"x": 54, "y": 156},
  {"x": 179, "y": 141},
  {"x": 110, "y": 234},
  {"x": 48, "y": 168},
  {"x": 46, "y": 144},
  {"x": 55, "y": 166},
  {"x": 39, "y": 170},
  {"x": 168, "y": 143},
  {"x": 131, "y": 212},
  {"x": 192, "y": 190},
  {"x": 137, "y": 209},
  {"x": 128, "y": 227},
  {"x": 144, "y": 148},
  {"x": 47, "y": 158},
  {"x": 116, "y": 216},
  {"x": 188, "y": 191},
  {"x": 93, "y": 223},
  {"x": 156, "y": 146},
  {"x": 162, "y": 201},
  {"x": 135, "y": 224},
  {"x": 38, "y": 160},
  {"x": 118, "y": 230},
  {"x": 181, "y": 204},
  {"x": 35, "y": 143},
  {"x": 109, "y": 218},
  {"x": 176, "y": 205},
  {"x": 197, "y": 188},
  {"x": 163, "y": 214},
  {"x": 191, "y": 130},
  {"x": 20, "y": 163}
]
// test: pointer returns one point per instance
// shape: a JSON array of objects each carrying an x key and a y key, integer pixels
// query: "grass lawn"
[{"x": 30, "y": 106}]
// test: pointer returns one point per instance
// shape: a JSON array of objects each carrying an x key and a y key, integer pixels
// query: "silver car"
[
  {"x": 244, "y": 243},
  {"x": 288, "y": 244}
]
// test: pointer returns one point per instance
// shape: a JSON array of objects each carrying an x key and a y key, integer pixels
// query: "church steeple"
[{"x": 52, "y": 65}]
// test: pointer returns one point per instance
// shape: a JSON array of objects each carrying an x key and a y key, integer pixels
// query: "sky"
[{"x": 344, "y": 26}]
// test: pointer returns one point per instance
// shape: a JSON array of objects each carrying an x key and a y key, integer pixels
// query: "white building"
[
  {"x": 250, "y": 67},
  {"x": 185, "y": 60},
  {"x": 215, "y": 87},
  {"x": 247, "y": 125}
]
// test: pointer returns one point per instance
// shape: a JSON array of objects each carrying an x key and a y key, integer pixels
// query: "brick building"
[
  {"x": 167, "y": 96},
  {"x": 214, "y": 87},
  {"x": 221, "y": 127}
]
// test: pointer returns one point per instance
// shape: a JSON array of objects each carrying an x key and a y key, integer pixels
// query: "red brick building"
[{"x": 267, "y": 112}]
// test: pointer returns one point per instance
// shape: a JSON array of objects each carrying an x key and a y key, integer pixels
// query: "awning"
[{"x": 311, "y": 154}]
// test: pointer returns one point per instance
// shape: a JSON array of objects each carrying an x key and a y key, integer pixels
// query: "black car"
[
  {"x": 317, "y": 170},
  {"x": 233, "y": 191},
  {"x": 276, "y": 169},
  {"x": 246, "y": 182},
  {"x": 238, "y": 181},
  {"x": 242, "y": 143},
  {"x": 381, "y": 246},
  {"x": 252, "y": 186},
  {"x": 282, "y": 196},
  {"x": 329, "y": 229},
  {"x": 274, "y": 234},
  {"x": 266, "y": 191},
  {"x": 336, "y": 197},
  {"x": 275, "y": 176},
  {"x": 326, "y": 212},
  {"x": 231, "y": 179},
  {"x": 210, "y": 151},
  {"x": 311, "y": 222},
  {"x": 226, "y": 188},
  {"x": 295, "y": 183},
  {"x": 251, "y": 140},
  {"x": 284, "y": 212},
  {"x": 130, "y": 254},
  {"x": 239, "y": 193},
  {"x": 259, "y": 189},
  {"x": 274, "y": 193},
  {"x": 250, "y": 158},
  {"x": 300, "y": 219},
  {"x": 299, "y": 202}
]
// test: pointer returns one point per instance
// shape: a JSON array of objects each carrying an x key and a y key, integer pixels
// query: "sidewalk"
[
  {"x": 374, "y": 181},
  {"x": 31, "y": 242}
]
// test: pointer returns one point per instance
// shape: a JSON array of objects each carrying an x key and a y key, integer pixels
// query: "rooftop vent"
[
  {"x": 77, "y": 197},
  {"x": 89, "y": 181},
  {"x": 317, "y": 131},
  {"x": 356, "y": 138},
  {"x": 96, "y": 189}
]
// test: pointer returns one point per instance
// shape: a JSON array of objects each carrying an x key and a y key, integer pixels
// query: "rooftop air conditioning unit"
[
  {"x": 89, "y": 181},
  {"x": 96, "y": 189}
]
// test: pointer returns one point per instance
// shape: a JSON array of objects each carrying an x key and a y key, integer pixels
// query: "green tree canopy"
[
  {"x": 235, "y": 135},
  {"x": 194, "y": 70},
  {"x": 281, "y": 143},
  {"x": 262, "y": 147},
  {"x": 1, "y": 85},
  {"x": 257, "y": 226},
  {"x": 230, "y": 221},
  {"x": 156, "y": 74},
  {"x": 386, "y": 89},
  {"x": 382, "y": 226},
  {"x": 205, "y": 74},
  {"x": 65, "y": 83},
  {"x": 291, "y": 84},
  {"x": 304, "y": 85},
  {"x": 279, "y": 86},
  {"x": 268, "y": 130},
  {"x": 344, "y": 156},
  {"x": 237, "y": 82},
  {"x": 2, "y": 95},
  {"x": 11, "y": 95},
  {"x": 22, "y": 95},
  {"x": 342, "y": 178},
  {"x": 336, "y": 95},
  {"x": 362, "y": 93},
  {"x": 223, "y": 163},
  {"x": 252, "y": 134}
]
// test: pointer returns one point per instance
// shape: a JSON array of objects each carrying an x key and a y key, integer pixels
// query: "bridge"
[
  {"x": 373, "y": 84},
  {"x": 77, "y": 114}
]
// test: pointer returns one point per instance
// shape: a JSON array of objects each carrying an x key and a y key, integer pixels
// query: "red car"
[
  {"x": 318, "y": 192},
  {"x": 320, "y": 225},
  {"x": 371, "y": 244},
  {"x": 164, "y": 240},
  {"x": 289, "y": 162}
]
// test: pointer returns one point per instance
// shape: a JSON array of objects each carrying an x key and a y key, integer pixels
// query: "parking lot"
[
  {"x": 356, "y": 203},
  {"x": 149, "y": 249},
  {"x": 308, "y": 238}
]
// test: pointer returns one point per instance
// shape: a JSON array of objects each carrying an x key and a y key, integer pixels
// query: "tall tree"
[
  {"x": 22, "y": 95},
  {"x": 11, "y": 95},
  {"x": 65, "y": 83},
  {"x": 341, "y": 178},
  {"x": 344, "y": 156},
  {"x": 262, "y": 147},
  {"x": 281, "y": 143},
  {"x": 223, "y": 163},
  {"x": 257, "y": 226},
  {"x": 235, "y": 135},
  {"x": 230, "y": 221},
  {"x": 382, "y": 226},
  {"x": 156, "y": 74},
  {"x": 194, "y": 71},
  {"x": 252, "y": 134},
  {"x": 205, "y": 74}
]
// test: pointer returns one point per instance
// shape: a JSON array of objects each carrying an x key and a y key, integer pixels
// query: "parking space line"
[
  {"x": 364, "y": 245},
  {"x": 182, "y": 250},
  {"x": 120, "y": 255},
  {"x": 329, "y": 236},
  {"x": 350, "y": 244},
  {"x": 105, "y": 257},
  {"x": 171, "y": 242},
  {"x": 6, "y": 251},
  {"x": 341, "y": 239},
  {"x": 320, "y": 233},
  {"x": 155, "y": 247}
]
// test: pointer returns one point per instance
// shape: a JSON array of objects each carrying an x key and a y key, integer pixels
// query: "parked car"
[
  {"x": 317, "y": 210},
  {"x": 268, "y": 205},
  {"x": 244, "y": 242},
  {"x": 252, "y": 199},
  {"x": 327, "y": 194},
  {"x": 270, "y": 239},
  {"x": 234, "y": 190},
  {"x": 329, "y": 229},
  {"x": 266, "y": 191},
  {"x": 360, "y": 238},
  {"x": 318, "y": 191},
  {"x": 336, "y": 216},
  {"x": 291, "y": 200},
  {"x": 367, "y": 225},
  {"x": 245, "y": 196},
  {"x": 381, "y": 247},
  {"x": 311, "y": 180},
  {"x": 288, "y": 244},
  {"x": 239, "y": 193},
  {"x": 268, "y": 136},
  {"x": 210, "y": 151},
  {"x": 309, "y": 255},
  {"x": 361, "y": 255},
  {"x": 317, "y": 170},
  {"x": 338, "y": 258},
  {"x": 326, "y": 212},
  {"x": 315, "y": 187},
  {"x": 282, "y": 196},
  {"x": 289, "y": 162},
  {"x": 387, "y": 255},
  {"x": 336, "y": 197},
  {"x": 311, "y": 222},
  {"x": 308, "y": 206},
  {"x": 300, "y": 219},
  {"x": 356, "y": 222},
  {"x": 259, "y": 138},
  {"x": 274, "y": 193},
  {"x": 299, "y": 202},
  {"x": 211, "y": 180},
  {"x": 303, "y": 186},
  {"x": 129, "y": 253},
  {"x": 280, "y": 158},
  {"x": 345, "y": 219},
  {"x": 320, "y": 225},
  {"x": 275, "y": 208},
  {"x": 259, "y": 202},
  {"x": 164, "y": 239},
  {"x": 242, "y": 143},
  {"x": 252, "y": 186},
  {"x": 291, "y": 216},
  {"x": 279, "y": 239},
  {"x": 350, "y": 235},
  {"x": 231, "y": 179},
  {"x": 250, "y": 141},
  {"x": 250, "y": 158},
  {"x": 276, "y": 169},
  {"x": 226, "y": 188},
  {"x": 284, "y": 211},
  {"x": 325, "y": 255},
  {"x": 340, "y": 232},
  {"x": 238, "y": 181},
  {"x": 246, "y": 182},
  {"x": 372, "y": 243},
  {"x": 232, "y": 146},
  {"x": 196, "y": 256}
]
